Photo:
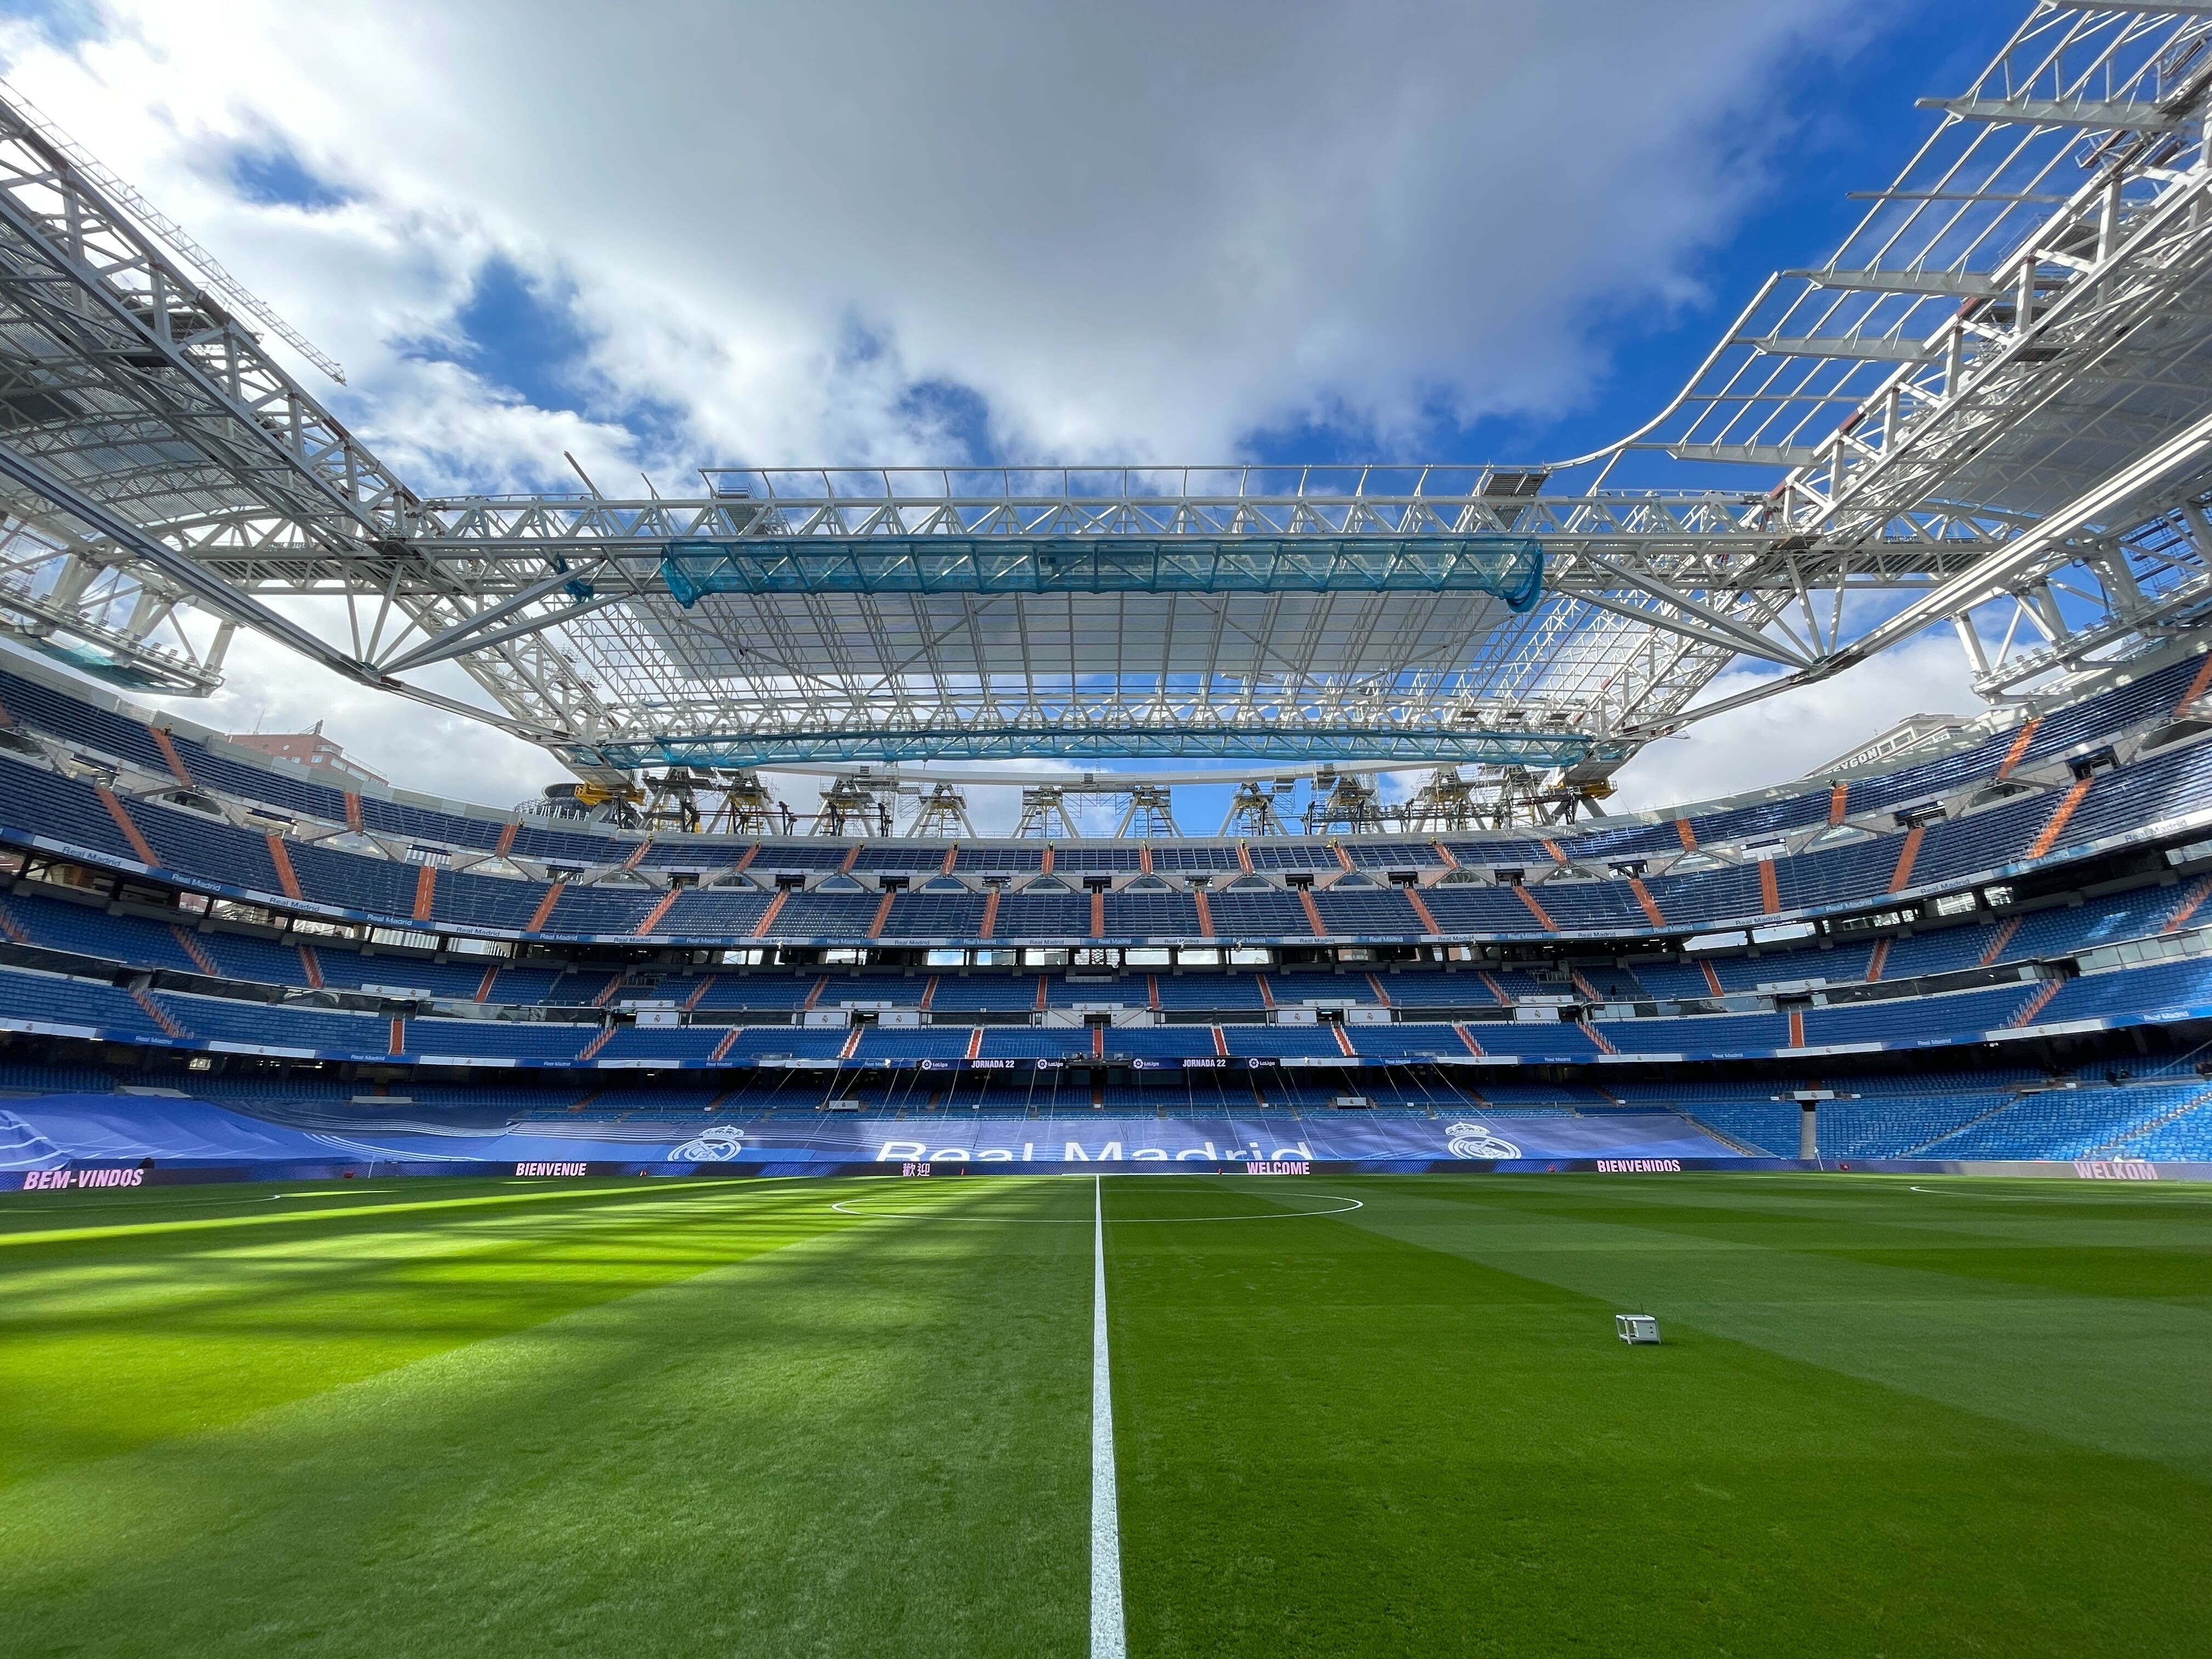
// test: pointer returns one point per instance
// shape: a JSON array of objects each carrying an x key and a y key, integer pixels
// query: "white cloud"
[
  {"x": 1144, "y": 231},
  {"x": 265, "y": 685},
  {"x": 1786, "y": 737},
  {"x": 1137, "y": 230}
]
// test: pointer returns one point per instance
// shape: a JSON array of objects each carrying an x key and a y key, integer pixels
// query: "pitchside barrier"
[
  {"x": 103, "y": 1142},
  {"x": 117, "y": 1178}
]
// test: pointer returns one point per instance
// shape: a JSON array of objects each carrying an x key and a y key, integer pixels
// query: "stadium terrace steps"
[
  {"x": 198, "y": 849},
  {"x": 1213, "y": 1017}
]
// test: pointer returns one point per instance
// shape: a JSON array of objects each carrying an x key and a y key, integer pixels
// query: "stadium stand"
[{"x": 171, "y": 904}]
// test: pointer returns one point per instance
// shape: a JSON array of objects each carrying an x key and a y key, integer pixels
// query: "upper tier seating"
[{"x": 201, "y": 850}]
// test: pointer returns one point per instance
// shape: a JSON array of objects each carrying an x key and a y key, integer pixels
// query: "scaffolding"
[
  {"x": 1045, "y": 815},
  {"x": 851, "y": 806},
  {"x": 1150, "y": 814},
  {"x": 748, "y": 809},
  {"x": 1445, "y": 804},
  {"x": 1253, "y": 812},
  {"x": 941, "y": 814},
  {"x": 1344, "y": 801},
  {"x": 672, "y": 800}
]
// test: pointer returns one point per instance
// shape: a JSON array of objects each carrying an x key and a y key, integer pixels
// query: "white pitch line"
[{"x": 1108, "y": 1638}]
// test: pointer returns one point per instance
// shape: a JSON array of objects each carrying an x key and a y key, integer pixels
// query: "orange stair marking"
[
  {"x": 545, "y": 910},
  {"x": 279, "y": 856},
  {"x": 1535, "y": 909},
  {"x": 1995, "y": 947},
  {"x": 659, "y": 912},
  {"x": 1651, "y": 906},
  {"x": 138, "y": 843},
  {"x": 768, "y": 916},
  {"x": 2019, "y": 745},
  {"x": 192, "y": 948},
  {"x": 1906, "y": 855},
  {"x": 163, "y": 742},
  {"x": 2198, "y": 893},
  {"x": 158, "y": 1014},
  {"x": 2048, "y": 835},
  {"x": 2197, "y": 686}
]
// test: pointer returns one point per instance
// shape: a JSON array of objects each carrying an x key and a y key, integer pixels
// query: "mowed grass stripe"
[
  {"x": 107, "y": 1342},
  {"x": 2122, "y": 1374},
  {"x": 18, "y": 1228},
  {"x": 870, "y": 1440},
  {"x": 1336, "y": 1440}
]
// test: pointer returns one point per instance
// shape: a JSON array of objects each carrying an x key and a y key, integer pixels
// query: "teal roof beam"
[
  {"x": 1510, "y": 568},
  {"x": 1415, "y": 746}
]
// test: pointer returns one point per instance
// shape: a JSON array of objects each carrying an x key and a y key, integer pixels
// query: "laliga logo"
[
  {"x": 716, "y": 1146},
  {"x": 1475, "y": 1140}
]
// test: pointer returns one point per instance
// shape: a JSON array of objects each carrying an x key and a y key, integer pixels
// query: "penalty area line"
[{"x": 1108, "y": 1637}]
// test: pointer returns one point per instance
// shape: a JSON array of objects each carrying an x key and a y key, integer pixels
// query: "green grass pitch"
[{"x": 1890, "y": 1417}]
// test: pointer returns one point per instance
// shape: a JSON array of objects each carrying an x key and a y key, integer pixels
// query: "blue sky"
[
  {"x": 1848, "y": 124},
  {"x": 1159, "y": 231}
]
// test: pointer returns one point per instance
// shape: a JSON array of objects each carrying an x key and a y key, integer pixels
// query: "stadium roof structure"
[{"x": 1992, "y": 407}]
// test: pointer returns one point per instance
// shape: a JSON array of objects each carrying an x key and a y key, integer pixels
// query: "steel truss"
[{"x": 1988, "y": 408}]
